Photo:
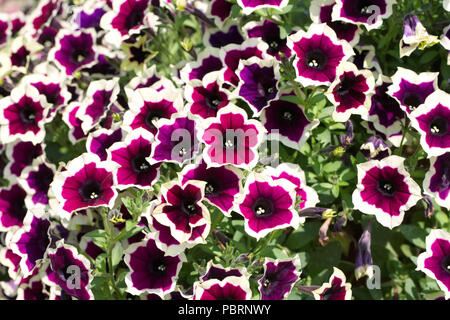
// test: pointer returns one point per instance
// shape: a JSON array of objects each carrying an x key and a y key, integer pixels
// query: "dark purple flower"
[
  {"x": 208, "y": 61},
  {"x": 335, "y": 289},
  {"x": 279, "y": 278},
  {"x": 222, "y": 183},
  {"x": 230, "y": 288},
  {"x": 5, "y": 30},
  {"x": 364, "y": 263},
  {"x": 90, "y": 18},
  {"x": 100, "y": 140},
  {"x": 71, "y": 118},
  {"x": 43, "y": 14},
  {"x": 375, "y": 149},
  {"x": 435, "y": 262},
  {"x": 221, "y": 38},
  {"x": 220, "y": 10},
  {"x": 12, "y": 207},
  {"x": 151, "y": 270},
  {"x": 20, "y": 155},
  {"x": 437, "y": 180},
  {"x": 248, "y": 6},
  {"x": 36, "y": 181},
  {"x": 215, "y": 271}
]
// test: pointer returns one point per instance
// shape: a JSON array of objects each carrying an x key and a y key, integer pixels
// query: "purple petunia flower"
[
  {"x": 219, "y": 38},
  {"x": 20, "y": 155},
  {"x": 267, "y": 205},
  {"x": 222, "y": 183},
  {"x": 279, "y": 278},
  {"x": 181, "y": 209},
  {"x": 131, "y": 156},
  {"x": 215, "y": 271},
  {"x": 411, "y": 89},
  {"x": 23, "y": 115},
  {"x": 74, "y": 50},
  {"x": 386, "y": 190},
  {"x": 73, "y": 121},
  {"x": 151, "y": 270},
  {"x": 437, "y": 180},
  {"x": 375, "y": 149},
  {"x": 219, "y": 10},
  {"x": 318, "y": 54},
  {"x": 363, "y": 262},
  {"x": 176, "y": 140},
  {"x": 100, "y": 140},
  {"x": 206, "y": 97},
  {"x": 248, "y": 6},
  {"x": 86, "y": 183},
  {"x": 207, "y": 61},
  {"x": 36, "y": 180},
  {"x": 230, "y": 288},
  {"x": 5, "y": 29},
  {"x": 231, "y": 139},
  {"x": 335, "y": 289},
  {"x": 148, "y": 106},
  {"x": 31, "y": 242},
  {"x": 71, "y": 271},
  {"x": 258, "y": 82},
  {"x": 435, "y": 262},
  {"x": 12, "y": 207},
  {"x": 369, "y": 13},
  {"x": 42, "y": 15},
  {"x": 432, "y": 120},
  {"x": 414, "y": 35},
  {"x": 321, "y": 12},
  {"x": 350, "y": 92}
]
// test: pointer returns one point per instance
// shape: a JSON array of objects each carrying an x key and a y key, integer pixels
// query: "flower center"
[
  {"x": 316, "y": 59},
  {"x": 210, "y": 188},
  {"x": 230, "y": 143},
  {"x": 212, "y": 101},
  {"x": 78, "y": 55},
  {"x": 188, "y": 206},
  {"x": 344, "y": 88},
  {"x": 263, "y": 208},
  {"x": 439, "y": 126},
  {"x": 138, "y": 54},
  {"x": 412, "y": 100},
  {"x": 139, "y": 164},
  {"x": 386, "y": 187},
  {"x": 90, "y": 190},
  {"x": 157, "y": 267},
  {"x": 151, "y": 116},
  {"x": 27, "y": 115},
  {"x": 287, "y": 116},
  {"x": 445, "y": 264}
]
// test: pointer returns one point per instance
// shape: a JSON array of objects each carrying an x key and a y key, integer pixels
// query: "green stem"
[{"x": 110, "y": 230}]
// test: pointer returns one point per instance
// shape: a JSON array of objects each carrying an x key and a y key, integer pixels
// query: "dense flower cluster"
[{"x": 190, "y": 149}]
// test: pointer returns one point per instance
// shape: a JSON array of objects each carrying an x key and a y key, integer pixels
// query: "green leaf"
[
  {"x": 324, "y": 258},
  {"x": 411, "y": 290},
  {"x": 332, "y": 166},
  {"x": 131, "y": 228},
  {"x": 99, "y": 237},
  {"x": 100, "y": 289},
  {"x": 414, "y": 234},
  {"x": 116, "y": 255},
  {"x": 303, "y": 235}
]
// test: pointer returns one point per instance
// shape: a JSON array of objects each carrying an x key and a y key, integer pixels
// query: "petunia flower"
[
  {"x": 216, "y": 271},
  {"x": 318, "y": 54},
  {"x": 437, "y": 180},
  {"x": 11, "y": 261},
  {"x": 207, "y": 96},
  {"x": 267, "y": 205},
  {"x": 375, "y": 149},
  {"x": 286, "y": 122},
  {"x": 386, "y": 190},
  {"x": 12, "y": 207},
  {"x": 207, "y": 61},
  {"x": 42, "y": 15},
  {"x": 36, "y": 180},
  {"x": 219, "y": 10},
  {"x": 307, "y": 196},
  {"x": 101, "y": 94},
  {"x": 182, "y": 210},
  {"x": 21, "y": 155},
  {"x": 137, "y": 56},
  {"x": 86, "y": 183},
  {"x": 435, "y": 262},
  {"x": 5, "y": 29},
  {"x": 369, "y": 13},
  {"x": 321, "y": 12},
  {"x": 222, "y": 183},
  {"x": 258, "y": 83},
  {"x": 279, "y": 278},
  {"x": 414, "y": 36},
  {"x": 231, "y": 138},
  {"x": 176, "y": 140},
  {"x": 71, "y": 271},
  {"x": 411, "y": 89},
  {"x": 219, "y": 38},
  {"x": 31, "y": 242},
  {"x": 230, "y": 288},
  {"x": 131, "y": 155},
  {"x": 335, "y": 289},
  {"x": 248, "y": 6},
  {"x": 151, "y": 270},
  {"x": 432, "y": 120},
  {"x": 89, "y": 15},
  {"x": 21, "y": 51},
  {"x": 363, "y": 262},
  {"x": 23, "y": 115},
  {"x": 365, "y": 58},
  {"x": 269, "y": 32},
  {"x": 148, "y": 105},
  {"x": 351, "y": 91},
  {"x": 74, "y": 50},
  {"x": 71, "y": 117},
  {"x": 100, "y": 140}
]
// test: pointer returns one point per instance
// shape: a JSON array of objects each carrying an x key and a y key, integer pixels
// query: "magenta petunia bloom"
[
  {"x": 12, "y": 207},
  {"x": 207, "y": 61},
  {"x": 411, "y": 89},
  {"x": 335, "y": 289},
  {"x": 351, "y": 91},
  {"x": 318, "y": 54},
  {"x": 230, "y": 288},
  {"x": 71, "y": 271},
  {"x": 219, "y": 38},
  {"x": 267, "y": 205},
  {"x": 435, "y": 262},
  {"x": 258, "y": 82},
  {"x": 286, "y": 122},
  {"x": 176, "y": 140},
  {"x": 248, "y": 6},
  {"x": 437, "y": 180},
  {"x": 216, "y": 271},
  {"x": 222, "y": 183},
  {"x": 31, "y": 242},
  {"x": 36, "y": 180},
  {"x": 86, "y": 183},
  {"x": 71, "y": 117},
  {"x": 386, "y": 190},
  {"x": 219, "y": 10},
  {"x": 74, "y": 50},
  {"x": 131, "y": 156},
  {"x": 151, "y": 270},
  {"x": 23, "y": 115},
  {"x": 21, "y": 155},
  {"x": 5, "y": 29},
  {"x": 279, "y": 278},
  {"x": 148, "y": 106},
  {"x": 432, "y": 121},
  {"x": 181, "y": 209},
  {"x": 100, "y": 140},
  {"x": 231, "y": 139}
]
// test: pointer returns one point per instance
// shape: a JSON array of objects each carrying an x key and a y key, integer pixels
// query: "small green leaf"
[
  {"x": 414, "y": 234},
  {"x": 99, "y": 237},
  {"x": 116, "y": 255},
  {"x": 131, "y": 228}
]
